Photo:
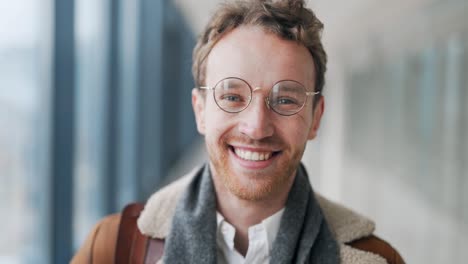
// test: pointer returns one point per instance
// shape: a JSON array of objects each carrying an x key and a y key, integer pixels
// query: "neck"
[{"x": 243, "y": 214}]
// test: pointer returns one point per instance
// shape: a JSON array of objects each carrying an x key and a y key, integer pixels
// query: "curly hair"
[{"x": 288, "y": 19}]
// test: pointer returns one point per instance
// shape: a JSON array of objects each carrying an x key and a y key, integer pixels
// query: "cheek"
[
  {"x": 211, "y": 114},
  {"x": 217, "y": 123},
  {"x": 295, "y": 135},
  {"x": 295, "y": 132}
]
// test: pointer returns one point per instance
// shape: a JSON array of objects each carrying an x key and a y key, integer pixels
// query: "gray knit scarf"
[{"x": 303, "y": 237}]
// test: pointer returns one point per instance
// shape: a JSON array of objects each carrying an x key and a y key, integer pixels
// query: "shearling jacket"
[{"x": 354, "y": 232}]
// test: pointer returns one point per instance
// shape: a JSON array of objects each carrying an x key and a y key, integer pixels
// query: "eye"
[
  {"x": 232, "y": 97},
  {"x": 286, "y": 101}
]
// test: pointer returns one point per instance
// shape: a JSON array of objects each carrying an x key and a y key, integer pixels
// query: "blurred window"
[
  {"x": 25, "y": 27},
  {"x": 407, "y": 147},
  {"x": 92, "y": 66}
]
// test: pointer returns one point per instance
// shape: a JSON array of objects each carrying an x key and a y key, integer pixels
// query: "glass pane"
[
  {"x": 25, "y": 42},
  {"x": 92, "y": 67}
]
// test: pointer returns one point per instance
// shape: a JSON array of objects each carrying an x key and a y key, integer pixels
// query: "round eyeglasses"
[{"x": 233, "y": 95}]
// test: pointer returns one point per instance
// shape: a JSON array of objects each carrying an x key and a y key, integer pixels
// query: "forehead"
[{"x": 251, "y": 53}]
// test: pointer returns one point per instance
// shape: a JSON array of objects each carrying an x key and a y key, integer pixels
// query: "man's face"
[{"x": 236, "y": 142}]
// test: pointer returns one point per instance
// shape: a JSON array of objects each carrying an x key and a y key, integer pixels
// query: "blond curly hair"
[{"x": 288, "y": 19}]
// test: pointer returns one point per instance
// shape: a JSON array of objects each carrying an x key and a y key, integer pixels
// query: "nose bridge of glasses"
[
  {"x": 267, "y": 100},
  {"x": 256, "y": 88}
]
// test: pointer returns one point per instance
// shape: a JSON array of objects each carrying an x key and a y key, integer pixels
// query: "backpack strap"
[{"x": 132, "y": 246}]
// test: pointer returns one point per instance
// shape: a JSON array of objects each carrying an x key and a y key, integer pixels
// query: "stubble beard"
[{"x": 256, "y": 186}]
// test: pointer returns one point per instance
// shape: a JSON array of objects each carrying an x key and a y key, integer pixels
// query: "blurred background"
[{"x": 95, "y": 113}]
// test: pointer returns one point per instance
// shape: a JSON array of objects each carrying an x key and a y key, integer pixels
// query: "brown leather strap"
[
  {"x": 131, "y": 243},
  {"x": 139, "y": 246}
]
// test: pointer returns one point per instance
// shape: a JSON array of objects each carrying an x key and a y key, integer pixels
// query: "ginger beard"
[{"x": 253, "y": 185}]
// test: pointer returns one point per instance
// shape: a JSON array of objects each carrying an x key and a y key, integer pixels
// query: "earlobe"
[
  {"x": 198, "y": 104},
  {"x": 318, "y": 113}
]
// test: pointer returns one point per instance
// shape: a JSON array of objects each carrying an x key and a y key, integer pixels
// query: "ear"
[
  {"x": 198, "y": 104},
  {"x": 318, "y": 113}
]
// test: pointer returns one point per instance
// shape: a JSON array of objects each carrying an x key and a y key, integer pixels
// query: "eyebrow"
[{"x": 292, "y": 87}]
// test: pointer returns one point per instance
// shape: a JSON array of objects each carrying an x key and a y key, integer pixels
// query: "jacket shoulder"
[
  {"x": 378, "y": 246},
  {"x": 99, "y": 246}
]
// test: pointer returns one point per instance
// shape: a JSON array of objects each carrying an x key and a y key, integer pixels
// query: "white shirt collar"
[{"x": 261, "y": 238}]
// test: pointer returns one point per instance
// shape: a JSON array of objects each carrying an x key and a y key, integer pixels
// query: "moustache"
[{"x": 269, "y": 142}]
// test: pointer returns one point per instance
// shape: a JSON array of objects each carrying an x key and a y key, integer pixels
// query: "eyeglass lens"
[{"x": 234, "y": 95}]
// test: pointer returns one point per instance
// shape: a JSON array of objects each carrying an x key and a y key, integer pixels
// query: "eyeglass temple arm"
[
  {"x": 312, "y": 93},
  {"x": 205, "y": 88}
]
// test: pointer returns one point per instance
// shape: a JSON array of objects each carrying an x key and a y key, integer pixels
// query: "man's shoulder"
[
  {"x": 98, "y": 246},
  {"x": 379, "y": 247},
  {"x": 345, "y": 223},
  {"x": 156, "y": 218},
  {"x": 355, "y": 233}
]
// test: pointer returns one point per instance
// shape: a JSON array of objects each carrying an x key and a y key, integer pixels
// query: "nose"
[{"x": 256, "y": 121}]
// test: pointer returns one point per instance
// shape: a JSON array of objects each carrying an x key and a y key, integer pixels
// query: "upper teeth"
[{"x": 251, "y": 155}]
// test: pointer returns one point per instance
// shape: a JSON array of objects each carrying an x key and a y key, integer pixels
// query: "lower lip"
[{"x": 253, "y": 165}]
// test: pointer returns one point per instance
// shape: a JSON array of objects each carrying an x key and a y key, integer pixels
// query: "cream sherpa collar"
[{"x": 155, "y": 221}]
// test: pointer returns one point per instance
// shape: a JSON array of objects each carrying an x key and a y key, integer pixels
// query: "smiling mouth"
[{"x": 250, "y": 155}]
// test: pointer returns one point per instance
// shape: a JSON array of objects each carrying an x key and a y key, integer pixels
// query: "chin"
[
  {"x": 251, "y": 190},
  {"x": 255, "y": 187}
]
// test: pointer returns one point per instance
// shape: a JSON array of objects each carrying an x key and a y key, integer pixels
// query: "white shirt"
[{"x": 261, "y": 239}]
